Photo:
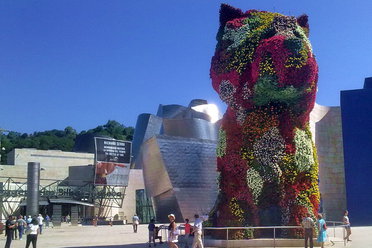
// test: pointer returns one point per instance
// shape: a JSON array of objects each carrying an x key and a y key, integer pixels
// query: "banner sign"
[{"x": 112, "y": 161}]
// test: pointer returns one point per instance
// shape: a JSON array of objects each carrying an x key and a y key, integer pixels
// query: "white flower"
[
  {"x": 255, "y": 183},
  {"x": 304, "y": 156},
  {"x": 269, "y": 151},
  {"x": 227, "y": 91}
]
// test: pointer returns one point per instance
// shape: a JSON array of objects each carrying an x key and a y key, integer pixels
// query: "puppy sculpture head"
[{"x": 264, "y": 59}]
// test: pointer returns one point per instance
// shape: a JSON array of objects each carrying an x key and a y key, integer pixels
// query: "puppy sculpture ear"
[
  {"x": 303, "y": 22},
  {"x": 228, "y": 13}
]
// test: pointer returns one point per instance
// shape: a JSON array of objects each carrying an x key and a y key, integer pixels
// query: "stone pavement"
[{"x": 123, "y": 237}]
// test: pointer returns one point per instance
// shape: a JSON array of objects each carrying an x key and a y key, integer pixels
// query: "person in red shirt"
[{"x": 187, "y": 232}]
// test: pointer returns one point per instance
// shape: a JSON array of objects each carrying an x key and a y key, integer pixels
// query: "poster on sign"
[{"x": 112, "y": 161}]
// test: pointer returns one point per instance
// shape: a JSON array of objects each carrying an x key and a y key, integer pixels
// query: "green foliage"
[
  {"x": 221, "y": 146},
  {"x": 112, "y": 129},
  {"x": 266, "y": 91},
  {"x": 63, "y": 140},
  {"x": 293, "y": 44}
]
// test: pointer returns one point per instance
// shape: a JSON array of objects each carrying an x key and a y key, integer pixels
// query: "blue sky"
[{"x": 80, "y": 63}]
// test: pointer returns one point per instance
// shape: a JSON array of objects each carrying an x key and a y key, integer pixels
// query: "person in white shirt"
[
  {"x": 135, "y": 223},
  {"x": 346, "y": 222},
  {"x": 32, "y": 232},
  {"x": 308, "y": 225},
  {"x": 40, "y": 220},
  {"x": 197, "y": 230}
]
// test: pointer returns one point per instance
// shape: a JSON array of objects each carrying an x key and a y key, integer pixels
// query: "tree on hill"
[
  {"x": 63, "y": 140},
  {"x": 112, "y": 129}
]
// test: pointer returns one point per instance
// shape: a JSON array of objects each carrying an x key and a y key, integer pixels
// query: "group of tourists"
[
  {"x": 174, "y": 231},
  {"x": 308, "y": 224},
  {"x": 31, "y": 226},
  {"x": 196, "y": 230}
]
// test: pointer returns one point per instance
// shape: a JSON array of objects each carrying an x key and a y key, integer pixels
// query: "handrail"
[
  {"x": 274, "y": 230},
  {"x": 251, "y": 227}
]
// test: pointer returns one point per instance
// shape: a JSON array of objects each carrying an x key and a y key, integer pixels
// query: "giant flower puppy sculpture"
[{"x": 265, "y": 71}]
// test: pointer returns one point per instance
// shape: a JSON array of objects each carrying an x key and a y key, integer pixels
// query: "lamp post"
[{"x": 33, "y": 182}]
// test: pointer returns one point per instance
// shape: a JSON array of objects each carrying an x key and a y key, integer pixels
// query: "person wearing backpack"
[
  {"x": 322, "y": 231},
  {"x": 21, "y": 226}
]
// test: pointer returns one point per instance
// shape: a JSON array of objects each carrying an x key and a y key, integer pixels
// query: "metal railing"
[
  {"x": 250, "y": 228},
  {"x": 275, "y": 228},
  {"x": 335, "y": 225}
]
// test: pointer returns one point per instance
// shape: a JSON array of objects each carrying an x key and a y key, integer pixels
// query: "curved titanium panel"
[
  {"x": 147, "y": 126},
  {"x": 197, "y": 102},
  {"x": 180, "y": 173},
  {"x": 170, "y": 111},
  {"x": 191, "y": 128},
  {"x": 154, "y": 172}
]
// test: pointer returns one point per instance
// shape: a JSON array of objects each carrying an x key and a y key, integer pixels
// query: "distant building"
[
  {"x": 356, "y": 107},
  {"x": 325, "y": 125},
  {"x": 50, "y": 160},
  {"x": 62, "y": 172}
]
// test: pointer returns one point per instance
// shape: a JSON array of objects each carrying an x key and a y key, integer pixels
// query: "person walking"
[
  {"x": 15, "y": 228},
  {"x": 187, "y": 232},
  {"x": 346, "y": 222},
  {"x": 29, "y": 220},
  {"x": 135, "y": 221},
  {"x": 9, "y": 228},
  {"x": 95, "y": 220},
  {"x": 40, "y": 220},
  {"x": 173, "y": 232},
  {"x": 322, "y": 231},
  {"x": 308, "y": 225},
  {"x": 47, "y": 220},
  {"x": 197, "y": 230},
  {"x": 32, "y": 232},
  {"x": 151, "y": 228},
  {"x": 156, "y": 234},
  {"x": 21, "y": 223}
]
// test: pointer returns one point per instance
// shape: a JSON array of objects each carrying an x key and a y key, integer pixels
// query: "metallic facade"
[
  {"x": 180, "y": 174},
  {"x": 176, "y": 150}
]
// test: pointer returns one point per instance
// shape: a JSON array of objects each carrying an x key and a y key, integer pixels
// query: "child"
[
  {"x": 187, "y": 232},
  {"x": 151, "y": 228},
  {"x": 156, "y": 234}
]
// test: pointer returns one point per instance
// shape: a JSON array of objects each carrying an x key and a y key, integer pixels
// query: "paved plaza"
[{"x": 123, "y": 236}]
